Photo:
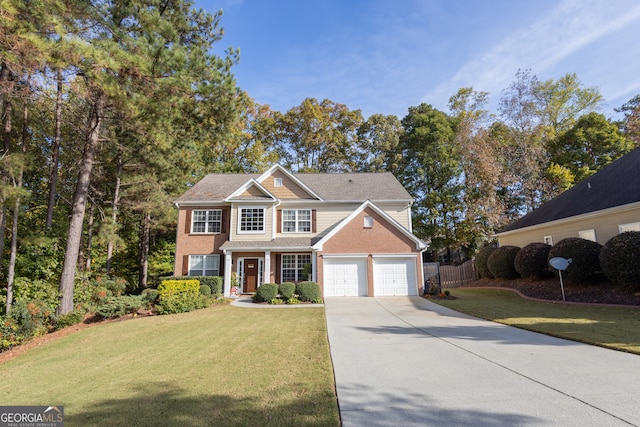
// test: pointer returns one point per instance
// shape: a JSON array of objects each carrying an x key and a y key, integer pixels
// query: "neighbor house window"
[
  {"x": 548, "y": 240},
  {"x": 296, "y": 221},
  {"x": 209, "y": 221},
  {"x": 588, "y": 235},
  {"x": 635, "y": 226},
  {"x": 251, "y": 220},
  {"x": 204, "y": 265},
  {"x": 293, "y": 267}
]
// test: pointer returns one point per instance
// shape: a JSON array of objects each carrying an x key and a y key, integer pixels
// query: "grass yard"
[
  {"x": 612, "y": 327},
  {"x": 221, "y": 366}
]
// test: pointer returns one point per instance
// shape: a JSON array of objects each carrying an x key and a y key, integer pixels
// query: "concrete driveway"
[{"x": 404, "y": 361}]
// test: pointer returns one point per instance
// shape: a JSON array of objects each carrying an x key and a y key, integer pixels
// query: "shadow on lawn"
[{"x": 165, "y": 404}]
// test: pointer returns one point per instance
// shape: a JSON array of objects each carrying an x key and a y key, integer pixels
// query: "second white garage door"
[
  {"x": 394, "y": 276},
  {"x": 345, "y": 277}
]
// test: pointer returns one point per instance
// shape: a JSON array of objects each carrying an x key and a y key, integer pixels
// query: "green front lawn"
[
  {"x": 612, "y": 327},
  {"x": 221, "y": 366}
]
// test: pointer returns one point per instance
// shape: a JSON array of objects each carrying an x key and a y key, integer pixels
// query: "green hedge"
[
  {"x": 214, "y": 282},
  {"x": 531, "y": 261},
  {"x": 287, "y": 290},
  {"x": 501, "y": 262},
  {"x": 179, "y": 296},
  {"x": 309, "y": 292},
  {"x": 481, "y": 262},
  {"x": 620, "y": 259},
  {"x": 266, "y": 292},
  {"x": 585, "y": 264}
]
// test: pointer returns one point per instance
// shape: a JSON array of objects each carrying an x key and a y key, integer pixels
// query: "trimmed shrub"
[
  {"x": 179, "y": 296},
  {"x": 309, "y": 292},
  {"x": 214, "y": 282},
  {"x": 501, "y": 262},
  {"x": 150, "y": 295},
  {"x": 532, "y": 261},
  {"x": 620, "y": 259},
  {"x": 481, "y": 262},
  {"x": 119, "y": 306},
  {"x": 585, "y": 264},
  {"x": 287, "y": 290},
  {"x": 205, "y": 290},
  {"x": 72, "y": 318},
  {"x": 266, "y": 292}
]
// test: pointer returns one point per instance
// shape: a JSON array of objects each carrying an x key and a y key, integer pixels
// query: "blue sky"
[{"x": 383, "y": 56}]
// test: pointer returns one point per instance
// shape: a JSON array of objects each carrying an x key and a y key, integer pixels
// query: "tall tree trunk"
[
  {"x": 144, "y": 249},
  {"x": 79, "y": 204},
  {"x": 6, "y": 138},
  {"x": 16, "y": 207},
  {"x": 87, "y": 266},
  {"x": 114, "y": 212},
  {"x": 55, "y": 155}
]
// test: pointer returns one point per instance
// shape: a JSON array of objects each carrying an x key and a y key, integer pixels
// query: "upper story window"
[
  {"x": 277, "y": 182},
  {"x": 206, "y": 221},
  {"x": 368, "y": 222},
  {"x": 251, "y": 220},
  {"x": 296, "y": 220},
  {"x": 588, "y": 235},
  {"x": 548, "y": 240}
]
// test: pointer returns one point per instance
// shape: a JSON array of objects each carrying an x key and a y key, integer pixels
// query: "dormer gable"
[
  {"x": 285, "y": 186},
  {"x": 250, "y": 191}
]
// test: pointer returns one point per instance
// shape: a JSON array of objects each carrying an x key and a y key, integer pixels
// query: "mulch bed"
[{"x": 549, "y": 289}]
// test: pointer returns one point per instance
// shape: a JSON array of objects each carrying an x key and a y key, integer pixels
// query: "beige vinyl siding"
[{"x": 605, "y": 225}]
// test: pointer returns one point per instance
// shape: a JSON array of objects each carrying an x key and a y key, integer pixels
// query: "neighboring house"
[
  {"x": 351, "y": 231},
  {"x": 597, "y": 208}
]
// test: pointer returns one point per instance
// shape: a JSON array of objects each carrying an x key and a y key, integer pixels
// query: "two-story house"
[{"x": 349, "y": 232}]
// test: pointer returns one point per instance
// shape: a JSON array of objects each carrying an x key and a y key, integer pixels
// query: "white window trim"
[
  {"x": 368, "y": 221},
  {"x": 632, "y": 226},
  {"x": 277, "y": 182},
  {"x": 587, "y": 234},
  {"x": 297, "y": 221},
  {"x": 548, "y": 240},
  {"x": 206, "y": 223},
  {"x": 203, "y": 264},
  {"x": 298, "y": 279},
  {"x": 264, "y": 220}
]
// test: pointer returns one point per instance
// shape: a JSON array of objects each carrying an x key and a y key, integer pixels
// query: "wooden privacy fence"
[{"x": 449, "y": 276}]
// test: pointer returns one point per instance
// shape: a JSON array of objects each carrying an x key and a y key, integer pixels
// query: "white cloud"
[{"x": 562, "y": 31}]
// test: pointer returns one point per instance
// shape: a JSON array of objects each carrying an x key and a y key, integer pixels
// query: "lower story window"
[
  {"x": 293, "y": 267},
  {"x": 204, "y": 265}
]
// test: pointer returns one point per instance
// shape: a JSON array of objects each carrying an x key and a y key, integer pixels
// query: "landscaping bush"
[
  {"x": 119, "y": 306},
  {"x": 501, "y": 262},
  {"x": 620, "y": 259},
  {"x": 150, "y": 295},
  {"x": 33, "y": 318},
  {"x": 287, "y": 290},
  {"x": 10, "y": 335},
  {"x": 205, "y": 290},
  {"x": 585, "y": 264},
  {"x": 214, "y": 282},
  {"x": 179, "y": 296},
  {"x": 266, "y": 292},
  {"x": 72, "y": 318},
  {"x": 309, "y": 292},
  {"x": 531, "y": 261},
  {"x": 481, "y": 262},
  {"x": 115, "y": 285}
]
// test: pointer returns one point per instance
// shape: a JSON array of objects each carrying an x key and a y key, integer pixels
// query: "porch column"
[
  {"x": 227, "y": 273},
  {"x": 314, "y": 276},
  {"x": 266, "y": 276}
]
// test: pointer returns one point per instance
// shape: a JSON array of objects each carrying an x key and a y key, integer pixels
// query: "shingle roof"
[
  {"x": 287, "y": 242},
  {"x": 614, "y": 185},
  {"x": 329, "y": 186}
]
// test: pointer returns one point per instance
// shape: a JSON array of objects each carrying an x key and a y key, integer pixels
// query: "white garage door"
[
  {"x": 345, "y": 277},
  {"x": 394, "y": 276}
]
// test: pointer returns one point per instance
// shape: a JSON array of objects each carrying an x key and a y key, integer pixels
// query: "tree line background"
[{"x": 109, "y": 110}]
